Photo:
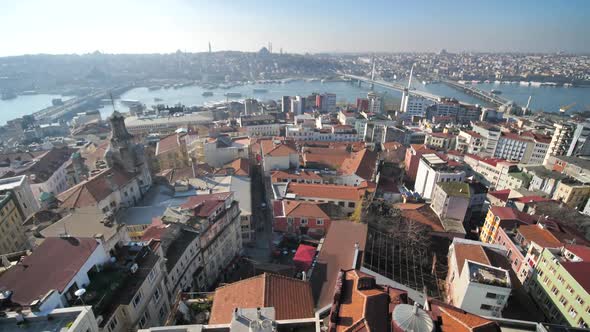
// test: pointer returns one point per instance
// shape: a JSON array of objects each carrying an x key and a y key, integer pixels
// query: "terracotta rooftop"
[
  {"x": 362, "y": 163},
  {"x": 204, "y": 205},
  {"x": 472, "y": 252},
  {"x": 324, "y": 157},
  {"x": 169, "y": 143},
  {"x": 282, "y": 149},
  {"x": 541, "y": 236},
  {"x": 508, "y": 213},
  {"x": 362, "y": 305},
  {"x": 580, "y": 272},
  {"x": 579, "y": 250},
  {"x": 51, "y": 266},
  {"x": 292, "y": 208},
  {"x": 303, "y": 175},
  {"x": 337, "y": 253},
  {"x": 326, "y": 191},
  {"x": 422, "y": 214},
  {"x": 92, "y": 191},
  {"x": 290, "y": 297},
  {"x": 501, "y": 194},
  {"x": 240, "y": 167}
]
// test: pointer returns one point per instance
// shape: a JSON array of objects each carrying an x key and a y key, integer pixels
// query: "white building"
[
  {"x": 415, "y": 106},
  {"x": 86, "y": 117},
  {"x": 166, "y": 124},
  {"x": 277, "y": 155},
  {"x": 432, "y": 170},
  {"x": 474, "y": 284},
  {"x": 223, "y": 149},
  {"x": 375, "y": 102},
  {"x": 21, "y": 189},
  {"x": 297, "y": 105},
  {"x": 492, "y": 172},
  {"x": 525, "y": 148},
  {"x": 490, "y": 135}
]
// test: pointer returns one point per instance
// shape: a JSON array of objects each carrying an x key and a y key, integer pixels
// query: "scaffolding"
[{"x": 395, "y": 256}]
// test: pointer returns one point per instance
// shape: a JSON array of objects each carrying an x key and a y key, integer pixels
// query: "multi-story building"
[
  {"x": 297, "y": 105},
  {"x": 302, "y": 218},
  {"x": 432, "y": 170},
  {"x": 560, "y": 287},
  {"x": 347, "y": 117},
  {"x": 20, "y": 187},
  {"x": 523, "y": 148},
  {"x": 569, "y": 139},
  {"x": 73, "y": 319},
  {"x": 414, "y": 106},
  {"x": 412, "y": 160},
  {"x": 285, "y": 104},
  {"x": 224, "y": 149},
  {"x": 442, "y": 141},
  {"x": 470, "y": 142},
  {"x": 450, "y": 200},
  {"x": 144, "y": 125},
  {"x": 375, "y": 103},
  {"x": 217, "y": 219},
  {"x": 490, "y": 135},
  {"x": 346, "y": 197},
  {"x": 573, "y": 193},
  {"x": 525, "y": 244},
  {"x": 474, "y": 283},
  {"x": 171, "y": 151},
  {"x": 492, "y": 172},
  {"x": 12, "y": 231},
  {"x": 502, "y": 217},
  {"x": 278, "y": 155},
  {"x": 264, "y": 125}
]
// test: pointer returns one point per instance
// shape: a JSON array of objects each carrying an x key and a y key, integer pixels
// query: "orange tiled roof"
[
  {"x": 290, "y": 297},
  {"x": 540, "y": 236},
  {"x": 168, "y": 143},
  {"x": 361, "y": 163},
  {"x": 90, "y": 192},
  {"x": 421, "y": 213},
  {"x": 326, "y": 191},
  {"x": 303, "y": 209},
  {"x": 472, "y": 252}
]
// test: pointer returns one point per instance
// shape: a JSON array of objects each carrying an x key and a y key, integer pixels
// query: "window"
[
  {"x": 303, "y": 221},
  {"x": 144, "y": 319},
  {"x": 582, "y": 324},
  {"x": 572, "y": 312},
  {"x": 563, "y": 301},
  {"x": 554, "y": 290},
  {"x": 351, "y": 204},
  {"x": 152, "y": 275},
  {"x": 290, "y": 220},
  {"x": 579, "y": 300},
  {"x": 136, "y": 300},
  {"x": 157, "y": 295},
  {"x": 319, "y": 222},
  {"x": 341, "y": 204},
  {"x": 487, "y": 307},
  {"x": 162, "y": 313},
  {"x": 560, "y": 279},
  {"x": 491, "y": 295},
  {"x": 113, "y": 324}
]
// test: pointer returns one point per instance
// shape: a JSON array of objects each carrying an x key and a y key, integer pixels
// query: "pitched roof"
[
  {"x": 579, "y": 250},
  {"x": 304, "y": 209},
  {"x": 501, "y": 194},
  {"x": 90, "y": 192},
  {"x": 541, "y": 236},
  {"x": 204, "y": 205},
  {"x": 240, "y": 166},
  {"x": 51, "y": 266},
  {"x": 580, "y": 272},
  {"x": 85, "y": 222},
  {"x": 472, "y": 252},
  {"x": 290, "y": 297},
  {"x": 361, "y": 163},
  {"x": 282, "y": 149},
  {"x": 168, "y": 143},
  {"x": 337, "y": 253},
  {"x": 422, "y": 214},
  {"x": 508, "y": 213},
  {"x": 454, "y": 319},
  {"x": 304, "y": 175},
  {"x": 327, "y": 191}
]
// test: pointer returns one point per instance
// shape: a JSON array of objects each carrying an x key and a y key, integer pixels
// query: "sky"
[{"x": 164, "y": 26}]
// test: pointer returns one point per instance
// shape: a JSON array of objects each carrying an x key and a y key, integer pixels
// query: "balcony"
[{"x": 487, "y": 275}]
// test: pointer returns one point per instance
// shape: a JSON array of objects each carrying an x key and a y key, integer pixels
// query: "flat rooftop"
[{"x": 488, "y": 275}]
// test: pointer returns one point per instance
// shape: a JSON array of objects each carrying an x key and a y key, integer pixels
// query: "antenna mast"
[{"x": 410, "y": 79}]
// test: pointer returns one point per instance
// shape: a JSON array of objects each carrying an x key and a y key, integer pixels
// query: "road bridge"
[{"x": 393, "y": 86}]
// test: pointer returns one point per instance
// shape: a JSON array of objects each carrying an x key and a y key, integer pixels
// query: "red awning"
[{"x": 304, "y": 257}]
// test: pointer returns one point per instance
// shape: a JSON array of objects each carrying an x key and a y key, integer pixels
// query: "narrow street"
[{"x": 260, "y": 249}]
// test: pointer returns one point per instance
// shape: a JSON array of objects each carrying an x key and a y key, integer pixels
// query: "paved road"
[{"x": 260, "y": 250}]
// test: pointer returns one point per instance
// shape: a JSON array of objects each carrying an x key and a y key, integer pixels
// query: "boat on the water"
[
  {"x": 233, "y": 94},
  {"x": 496, "y": 92},
  {"x": 158, "y": 99},
  {"x": 260, "y": 90},
  {"x": 207, "y": 94}
]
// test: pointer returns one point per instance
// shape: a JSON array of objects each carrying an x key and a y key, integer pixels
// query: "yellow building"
[
  {"x": 505, "y": 217},
  {"x": 12, "y": 231},
  {"x": 573, "y": 193},
  {"x": 171, "y": 152}
]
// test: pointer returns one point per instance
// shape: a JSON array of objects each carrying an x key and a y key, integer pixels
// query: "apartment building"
[
  {"x": 432, "y": 170},
  {"x": 560, "y": 285},
  {"x": 20, "y": 187},
  {"x": 302, "y": 218},
  {"x": 492, "y": 172},
  {"x": 12, "y": 230},
  {"x": 475, "y": 282},
  {"x": 223, "y": 149},
  {"x": 490, "y": 135},
  {"x": 573, "y": 193},
  {"x": 525, "y": 148},
  {"x": 346, "y": 197},
  {"x": 263, "y": 125},
  {"x": 450, "y": 200},
  {"x": 278, "y": 155},
  {"x": 502, "y": 217},
  {"x": 440, "y": 141}
]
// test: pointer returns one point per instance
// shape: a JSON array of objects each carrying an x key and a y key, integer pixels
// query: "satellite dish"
[{"x": 80, "y": 292}]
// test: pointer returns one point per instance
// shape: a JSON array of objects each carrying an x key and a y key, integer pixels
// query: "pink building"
[
  {"x": 412, "y": 160},
  {"x": 515, "y": 252},
  {"x": 300, "y": 217}
]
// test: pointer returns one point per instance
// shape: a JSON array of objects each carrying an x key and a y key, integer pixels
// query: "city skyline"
[{"x": 66, "y": 26}]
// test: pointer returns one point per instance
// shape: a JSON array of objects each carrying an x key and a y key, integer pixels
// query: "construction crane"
[{"x": 564, "y": 109}]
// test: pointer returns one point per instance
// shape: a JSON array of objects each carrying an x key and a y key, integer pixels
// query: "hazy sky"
[{"x": 145, "y": 26}]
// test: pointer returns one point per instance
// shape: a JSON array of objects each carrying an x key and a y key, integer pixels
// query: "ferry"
[
  {"x": 207, "y": 94},
  {"x": 496, "y": 92},
  {"x": 130, "y": 102},
  {"x": 156, "y": 99},
  {"x": 233, "y": 94},
  {"x": 155, "y": 87},
  {"x": 260, "y": 90}
]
